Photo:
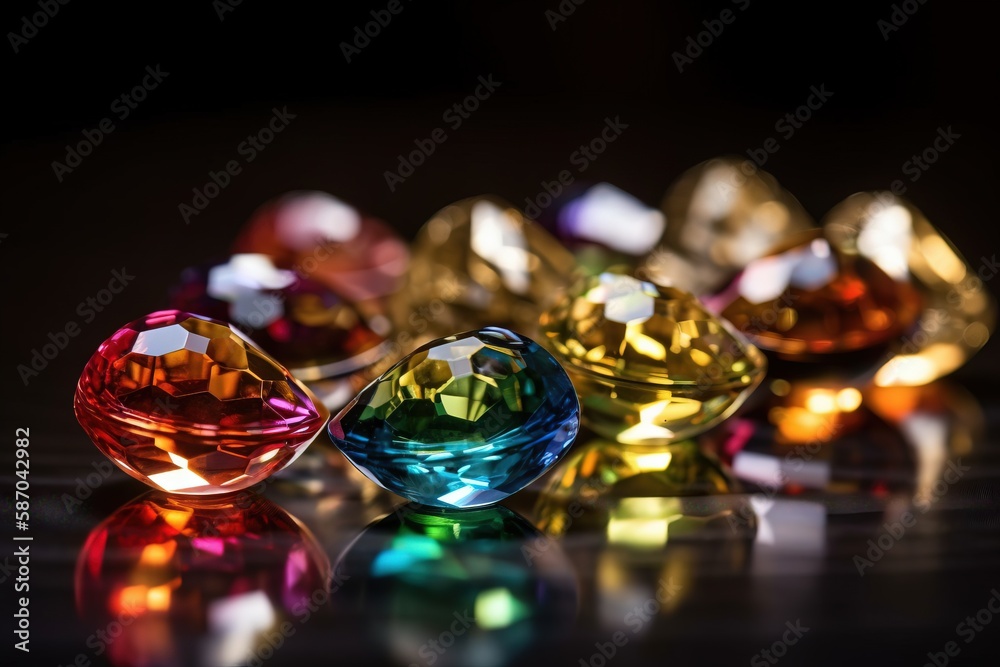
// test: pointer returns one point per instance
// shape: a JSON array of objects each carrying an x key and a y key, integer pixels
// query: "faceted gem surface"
[
  {"x": 650, "y": 363},
  {"x": 809, "y": 300},
  {"x": 721, "y": 214},
  {"x": 479, "y": 572},
  {"x": 194, "y": 581},
  {"x": 186, "y": 404},
  {"x": 959, "y": 313},
  {"x": 463, "y": 421},
  {"x": 305, "y": 326},
  {"x": 480, "y": 262},
  {"x": 331, "y": 242}
]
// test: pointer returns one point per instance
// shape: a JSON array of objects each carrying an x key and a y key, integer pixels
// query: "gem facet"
[
  {"x": 304, "y": 325},
  {"x": 463, "y": 421},
  {"x": 959, "y": 312},
  {"x": 196, "y": 581},
  {"x": 721, "y": 214},
  {"x": 480, "y": 262},
  {"x": 809, "y": 300},
  {"x": 650, "y": 363},
  {"x": 186, "y": 404}
]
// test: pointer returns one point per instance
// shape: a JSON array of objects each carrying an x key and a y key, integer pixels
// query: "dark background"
[{"x": 120, "y": 206}]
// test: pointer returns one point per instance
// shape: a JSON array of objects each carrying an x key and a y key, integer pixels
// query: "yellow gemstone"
[
  {"x": 651, "y": 364},
  {"x": 959, "y": 313},
  {"x": 480, "y": 262},
  {"x": 721, "y": 215}
]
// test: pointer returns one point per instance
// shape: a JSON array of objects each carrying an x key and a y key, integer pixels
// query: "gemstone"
[
  {"x": 196, "y": 581},
  {"x": 463, "y": 421},
  {"x": 650, "y": 363},
  {"x": 605, "y": 226},
  {"x": 480, "y": 572},
  {"x": 810, "y": 301},
  {"x": 328, "y": 240},
  {"x": 958, "y": 314},
  {"x": 305, "y": 326},
  {"x": 480, "y": 262},
  {"x": 189, "y": 405},
  {"x": 721, "y": 215}
]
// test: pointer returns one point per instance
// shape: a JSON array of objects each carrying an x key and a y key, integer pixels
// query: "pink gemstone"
[
  {"x": 187, "y": 404},
  {"x": 327, "y": 240}
]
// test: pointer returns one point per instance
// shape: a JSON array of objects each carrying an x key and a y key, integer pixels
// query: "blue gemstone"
[{"x": 463, "y": 421}]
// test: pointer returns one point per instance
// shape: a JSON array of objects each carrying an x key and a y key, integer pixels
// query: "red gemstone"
[
  {"x": 327, "y": 240},
  {"x": 187, "y": 404},
  {"x": 197, "y": 581}
]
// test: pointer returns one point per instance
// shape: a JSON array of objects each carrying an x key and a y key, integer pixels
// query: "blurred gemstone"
[
  {"x": 186, "y": 404},
  {"x": 721, "y": 215},
  {"x": 959, "y": 313},
  {"x": 197, "y": 581},
  {"x": 308, "y": 328},
  {"x": 480, "y": 262},
  {"x": 810, "y": 301},
  {"x": 331, "y": 242},
  {"x": 605, "y": 227},
  {"x": 650, "y": 363},
  {"x": 464, "y": 421},
  {"x": 480, "y": 577}
]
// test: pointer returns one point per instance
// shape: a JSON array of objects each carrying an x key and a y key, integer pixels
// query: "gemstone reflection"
[
  {"x": 186, "y": 404},
  {"x": 197, "y": 581},
  {"x": 474, "y": 582},
  {"x": 650, "y": 363}
]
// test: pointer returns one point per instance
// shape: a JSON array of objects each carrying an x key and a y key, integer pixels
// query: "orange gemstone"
[
  {"x": 808, "y": 300},
  {"x": 186, "y": 404}
]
